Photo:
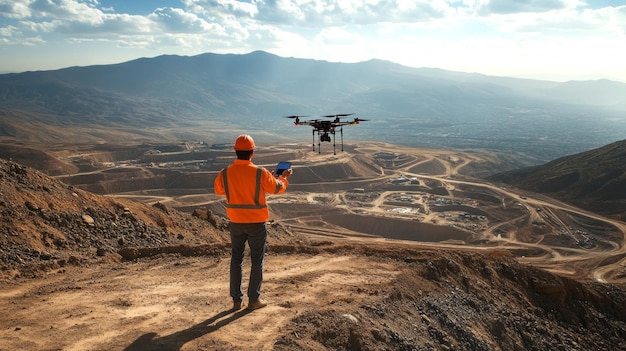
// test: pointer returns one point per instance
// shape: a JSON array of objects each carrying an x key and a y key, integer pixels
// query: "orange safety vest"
[{"x": 244, "y": 184}]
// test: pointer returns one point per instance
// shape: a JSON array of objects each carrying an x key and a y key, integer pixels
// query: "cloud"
[
  {"x": 62, "y": 9},
  {"x": 321, "y": 13},
  {"x": 104, "y": 26},
  {"x": 70, "y": 18},
  {"x": 522, "y": 6},
  {"x": 15, "y": 9},
  {"x": 221, "y": 8},
  {"x": 83, "y": 21},
  {"x": 316, "y": 13},
  {"x": 8, "y": 35},
  {"x": 179, "y": 21},
  {"x": 567, "y": 23}
]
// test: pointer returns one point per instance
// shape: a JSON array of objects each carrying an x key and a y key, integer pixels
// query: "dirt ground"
[
  {"x": 324, "y": 296},
  {"x": 173, "y": 303}
]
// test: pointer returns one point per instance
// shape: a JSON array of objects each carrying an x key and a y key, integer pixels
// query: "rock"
[
  {"x": 129, "y": 253},
  {"x": 201, "y": 213},
  {"x": 31, "y": 206},
  {"x": 88, "y": 219},
  {"x": 161, "y": 207},
  {"x": 350, "y": 317}
]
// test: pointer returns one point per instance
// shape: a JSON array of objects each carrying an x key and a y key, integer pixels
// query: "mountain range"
[{"x": 214, "y": 97}]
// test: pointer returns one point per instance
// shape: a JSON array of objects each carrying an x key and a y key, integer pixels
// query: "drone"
[{"x": 327, "y": 126}]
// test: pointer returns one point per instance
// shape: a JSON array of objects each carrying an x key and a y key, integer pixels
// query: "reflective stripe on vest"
[
  {"x": 279, "y": 185},
  {"x": 257, "y": 192}
]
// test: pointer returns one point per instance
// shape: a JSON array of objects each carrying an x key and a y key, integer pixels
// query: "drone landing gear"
[
  {"x": 341, "y": 132},
  {"x": 324, "y": 137},
  {"x": 321, "y": 137}
]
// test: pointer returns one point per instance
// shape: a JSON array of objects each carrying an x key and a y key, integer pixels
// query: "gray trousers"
[{"x": 255, "y": 234}]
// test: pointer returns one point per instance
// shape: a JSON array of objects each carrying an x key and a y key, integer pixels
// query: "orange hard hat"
[{"x": 244, "y": 142}]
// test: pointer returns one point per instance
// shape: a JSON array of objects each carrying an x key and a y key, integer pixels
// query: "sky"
[{"x": 540, "y": 39}]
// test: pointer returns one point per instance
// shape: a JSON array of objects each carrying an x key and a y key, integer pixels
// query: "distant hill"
[
  {"x": 37, "y": 159},
  {"x": 214, "y": 97},
  {"x": 594, "y": 180}
]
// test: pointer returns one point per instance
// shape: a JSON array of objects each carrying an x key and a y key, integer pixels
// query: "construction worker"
[{"x": 244, "y": 185}]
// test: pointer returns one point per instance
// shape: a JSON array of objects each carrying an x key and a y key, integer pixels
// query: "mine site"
[
  {"x": 379, "y": 247},
  {"x": 374, "y": 191}
]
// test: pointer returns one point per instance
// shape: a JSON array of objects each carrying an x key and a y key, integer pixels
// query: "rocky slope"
[
  {"x": 594, "y": 180},
  {"x": 46, "y": 224}
]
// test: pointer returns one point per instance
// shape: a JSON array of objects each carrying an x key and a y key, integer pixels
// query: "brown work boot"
[
  {"x": 255, "y": 305},
  {"x": 237, "y": 305}
]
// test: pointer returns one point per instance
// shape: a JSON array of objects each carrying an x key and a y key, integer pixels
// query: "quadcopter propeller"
[
  {"x": 357, "y": 121},
  {"x": 297, "y": 119},
  {"x": 339, "y": 115}
]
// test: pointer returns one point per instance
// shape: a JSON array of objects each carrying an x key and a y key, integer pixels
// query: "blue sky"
[{"x": 543, "y": 39}]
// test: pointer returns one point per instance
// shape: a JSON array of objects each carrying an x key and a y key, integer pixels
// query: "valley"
[{"x": 373, "y": 191}]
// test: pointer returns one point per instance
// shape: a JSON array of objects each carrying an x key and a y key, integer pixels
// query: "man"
[{"x": 244, "y": 185}]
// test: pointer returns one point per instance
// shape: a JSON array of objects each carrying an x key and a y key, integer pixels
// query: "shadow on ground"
[{"x": 177, "y": 340}]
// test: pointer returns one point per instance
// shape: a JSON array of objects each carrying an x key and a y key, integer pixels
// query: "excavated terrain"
[{"x": 344, "y": 271}]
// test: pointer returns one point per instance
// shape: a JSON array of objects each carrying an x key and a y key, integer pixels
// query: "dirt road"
[{"x": 175, "y": 303}]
